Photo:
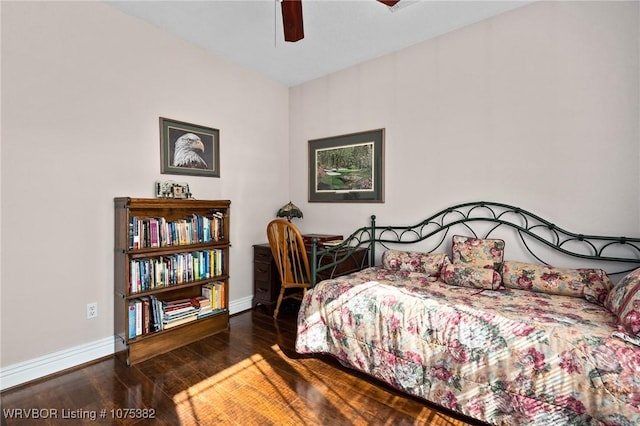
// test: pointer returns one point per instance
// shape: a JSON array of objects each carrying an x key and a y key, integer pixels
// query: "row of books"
[
  {"x": 215, "y": 292},
  {"x": 148, "y": 314},
  {"x": 157, "y": 232},
  {"x": 163, "y": 271}
]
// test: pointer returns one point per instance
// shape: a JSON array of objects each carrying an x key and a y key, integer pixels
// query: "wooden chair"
[{"x": 291, "y": 260}]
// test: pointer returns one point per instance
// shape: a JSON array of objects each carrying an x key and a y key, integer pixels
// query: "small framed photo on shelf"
[
  {"x": 189, "y": 149},
  {"x": 347, "y": 168},
  {"x": 171, "y": 189}
]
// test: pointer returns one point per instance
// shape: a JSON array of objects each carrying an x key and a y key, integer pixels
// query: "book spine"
[
  {"x": 138, "y": 317},
  {"x": 131, "y": 320},
  {"x": 136, "y": 233},
  {"x": 146, "y": 315},
  {"x": 219, "y": 295}
]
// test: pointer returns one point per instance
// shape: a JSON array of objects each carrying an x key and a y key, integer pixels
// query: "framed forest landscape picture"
[
  {"x": 189, "y": 149},
  {"x": 347, "y": 168}
]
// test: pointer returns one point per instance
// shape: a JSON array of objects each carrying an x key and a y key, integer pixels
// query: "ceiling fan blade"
[
  {"x": 389, "y": 3},
  {"x": 292, "y": 20}
]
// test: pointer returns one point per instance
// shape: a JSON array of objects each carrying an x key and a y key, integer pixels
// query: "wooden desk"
[{"x": 266, "y": 282}]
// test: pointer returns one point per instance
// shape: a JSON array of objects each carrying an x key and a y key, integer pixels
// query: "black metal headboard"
[{"x": 481, "y": 220}]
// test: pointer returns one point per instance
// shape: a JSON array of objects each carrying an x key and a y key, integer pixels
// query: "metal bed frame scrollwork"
[{"x": 530, "y": 228}]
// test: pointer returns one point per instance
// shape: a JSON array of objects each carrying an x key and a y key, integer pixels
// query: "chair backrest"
[{"x": 289, "y": 252}]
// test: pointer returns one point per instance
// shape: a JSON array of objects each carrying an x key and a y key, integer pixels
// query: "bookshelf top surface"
[{"x": 189, "y": 203}]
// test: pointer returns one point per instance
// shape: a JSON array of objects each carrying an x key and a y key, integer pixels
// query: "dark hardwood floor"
[{"x": 250, "y": 375}]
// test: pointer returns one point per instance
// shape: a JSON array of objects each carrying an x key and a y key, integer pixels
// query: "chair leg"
[{"x": 280, "y": 296}]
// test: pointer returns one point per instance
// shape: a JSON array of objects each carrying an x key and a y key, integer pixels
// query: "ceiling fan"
[{"x": 292, "y": 18}]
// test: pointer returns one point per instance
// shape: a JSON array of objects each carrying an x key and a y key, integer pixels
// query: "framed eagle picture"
[{"x": 189, "y": 149}]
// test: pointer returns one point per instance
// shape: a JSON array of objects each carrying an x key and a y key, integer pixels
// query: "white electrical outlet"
[{"x": 92, "y": 310}]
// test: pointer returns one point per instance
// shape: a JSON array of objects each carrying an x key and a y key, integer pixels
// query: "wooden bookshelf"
[{"x": 169, "y": 251}]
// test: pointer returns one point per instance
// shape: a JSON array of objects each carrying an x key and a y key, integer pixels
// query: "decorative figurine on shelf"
[
  {"x": 289, "y": 210},
  {"x": 171, "y": 189}
]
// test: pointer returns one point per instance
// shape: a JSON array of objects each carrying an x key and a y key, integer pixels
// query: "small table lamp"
[{"x": 289, "y": 210}]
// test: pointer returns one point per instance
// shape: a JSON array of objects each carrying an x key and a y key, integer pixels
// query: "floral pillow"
[
  {"x": 477, "y": 253},
  {"x": 413, "y": 261},
  {"x": 592, "y": 284},
  {"x": 471, "y": 276},
  {"x": 597, "y": 285},
  {"x": 624, "y": 302}
]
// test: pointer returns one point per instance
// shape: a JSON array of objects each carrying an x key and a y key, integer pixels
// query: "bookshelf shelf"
[
  {"x": 171, "y": 288},
  {"x": 146, "y": 252},
  {"x": 171, "y": 274}
]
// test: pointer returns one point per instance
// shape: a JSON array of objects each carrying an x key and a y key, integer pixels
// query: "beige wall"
[
  {"x": 537, "y": 107},
  {"x": 83, "y": 87}
]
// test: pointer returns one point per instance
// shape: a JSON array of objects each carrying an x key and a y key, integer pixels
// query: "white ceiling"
[{"x": 338, "y": 33}]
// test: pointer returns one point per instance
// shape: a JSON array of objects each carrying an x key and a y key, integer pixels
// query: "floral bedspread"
[{"x": 504, "y": 357}]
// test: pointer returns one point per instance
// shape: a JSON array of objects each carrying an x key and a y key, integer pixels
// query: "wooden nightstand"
[{"x": 266, "y": 282}]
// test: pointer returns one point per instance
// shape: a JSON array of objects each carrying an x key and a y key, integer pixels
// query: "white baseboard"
[
  {"x": 23, "y": 372},
  {"x": 240, "y": 305},
  {"x": 36, "y": 368}
]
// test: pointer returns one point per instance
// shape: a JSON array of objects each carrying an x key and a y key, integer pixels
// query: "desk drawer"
[
  {"x": 262, "y": 254},
  {"x": 262, "y": 271},
  {"x": 263, "y": 291}
]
